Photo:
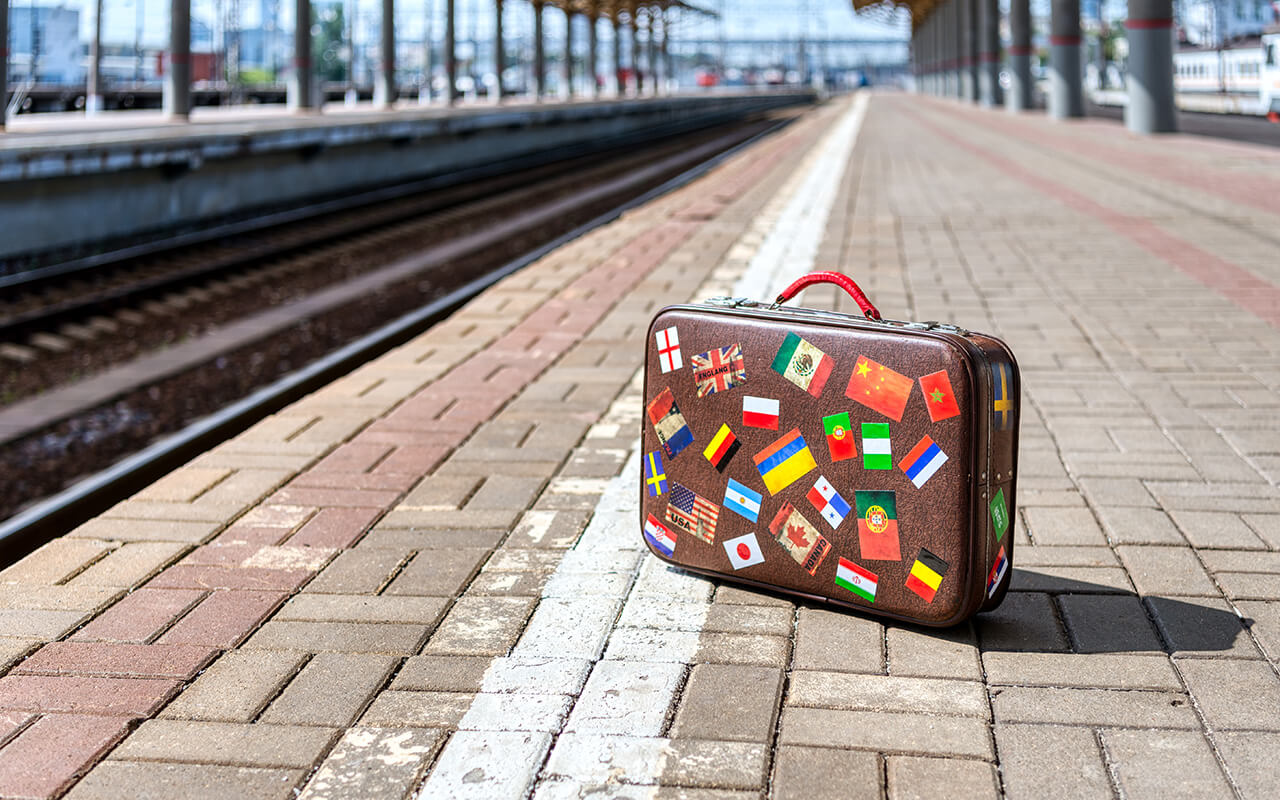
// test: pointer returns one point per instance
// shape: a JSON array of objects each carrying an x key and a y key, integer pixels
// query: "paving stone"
[
  {"x": 487, "y": 764},
  {"x": 362, "y": 608},
  {"x": 374, "y": 763},
  {"x": 480, "y": 626},
  {"x": 886, "y": 732},
  {"x": 405, "y": 709},
  {"x": 118, "y": 660},
  {"x": 133, "y": 697},
  {"x": 817, "y": 773},
  {"x": 18, "y": 596},
  {"x": 158, "y": 781},
  {"x": 1232, "y": 694},
  {"x": 1096, "y": 670},
  {"x": 1251, "y": 760},
  {"x": 651, "y": 644},
  {"x": 438, "y": 572},
  {"x": 334, "y": 528},
  {"x": 1146, "y": 526},
  {"x": 726, "y": 594},
  {"x": 403, "y": 540},
  {"x": 50, "y": 753},
  {"x": 1093, "y": 707},
  {"x": 603, "y": 760},
  {"x": 536, "y": 675},
  {"x": 1076, "y": 770},
  {"x": 1164, "y": 764},
  {"x": 359, "y": 571},
  {"x": 223, "y": 618},
  {"x": 570, "y": 628},
  {"x": 1063, "y": 526},
  {"x": 147, "y": 530},
  {"x": 442, "y": 673},
  {"x": 833, "y": 641},
  {"x": 130, "y": 564},
  {"x": 626, "y": 697},
  {"x": 1108, "y": 624},
  {"x": 516, "y": 712},
  {"x": 139, "y": 615},
  {"x": 1065, "y": 580},
  {"x": 257, "y": 745},
  {"x": 1266, "y": 526},
  {"x": 56, "y": 561},
  {"x": 1201, "y": 626},
  {"x": 887, "y": 693},
  {"x": 1217, "y": 529},
  {"x": 551, "y": 529},
  {"x": 1166, "y": 571},
  {"x": 36, "y": 624},
  {"x": 236, "y": 687},
  {"x": 344, "y": 637},
  {"x": 732, "y": 648},
  {"x": 1024, "y": 621},
  {"x": 13, "y": 650},
  {"x": 728, "y": 702},
  {"x": 933, "y": 653},
  {"x": 331, "y": 690},
  {"x": 915, "y": 778},
  {"x": 729, "y": 618}
]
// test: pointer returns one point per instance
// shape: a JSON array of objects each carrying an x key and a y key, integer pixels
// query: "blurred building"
[
  {"x": 49, "y": 37},
  {"x": 1209, "y": 23}
]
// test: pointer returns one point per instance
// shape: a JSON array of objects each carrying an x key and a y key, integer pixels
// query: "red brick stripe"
[{"x": 1147, "y": 24}]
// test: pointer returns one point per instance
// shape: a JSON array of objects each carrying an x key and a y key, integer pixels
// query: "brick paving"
[{"x": 426, "y": 577}]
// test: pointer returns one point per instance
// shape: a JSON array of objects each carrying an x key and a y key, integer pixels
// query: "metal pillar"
[
  {"x": 989, "y": 52},
  {"x": 1066, "y": 89},
  {"x": 384, "y": 87},
  {"x": 450, "y": 52},
  {"x": 1020, "y": 52},
  {"x": 499, "y": 57},
  {"x": 620, "y": 82},
  {"x": 651, "y": 55},
  {"x": 956, "y": 49},
  {"x": 539, "y": 55},
  {"x": 567, "y": 91},
  {"x": 635, "y": 53},
  {"x": 1151, "y": 106},
  {"x": 93, "y": 89},
  {"x": 668, "y": 73},
  {"x": 969, "y": 8},
  {"x": 4, "y": 61},
  {"x": 593, "y": 50},
  {"x": 176, "y": 100}
]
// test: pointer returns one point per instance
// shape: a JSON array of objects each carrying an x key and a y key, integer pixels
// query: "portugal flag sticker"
[
  {"x": 878, "y": 525},
  {"x": 839, "y": 431},
  {"x": 744, "y": 551}
]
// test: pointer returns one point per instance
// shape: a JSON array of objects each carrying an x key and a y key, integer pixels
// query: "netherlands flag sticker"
[
  {"x": 660, "y": 536},
  {"x": 923, "y": 460}
]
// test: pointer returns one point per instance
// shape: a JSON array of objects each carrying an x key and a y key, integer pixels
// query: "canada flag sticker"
[{"x": 744, "y": 551}]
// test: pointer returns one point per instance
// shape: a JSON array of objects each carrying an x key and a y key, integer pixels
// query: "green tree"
[{"x": 328, "y": 41}]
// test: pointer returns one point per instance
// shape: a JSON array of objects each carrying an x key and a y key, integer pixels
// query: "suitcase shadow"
[{"x": 1050, "y": 613}]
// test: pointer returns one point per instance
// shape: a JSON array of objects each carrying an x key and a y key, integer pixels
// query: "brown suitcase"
[{"x": 855, "y": 461}]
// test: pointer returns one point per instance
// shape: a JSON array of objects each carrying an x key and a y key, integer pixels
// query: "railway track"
[{"x": 191, "y": 343}]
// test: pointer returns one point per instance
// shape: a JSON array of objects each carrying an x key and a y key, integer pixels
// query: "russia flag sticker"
[{"x": 923, "y": 460}]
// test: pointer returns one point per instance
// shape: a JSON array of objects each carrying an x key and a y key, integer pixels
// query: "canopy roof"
[
  {"x": 920, "y": 9},
  {"x": 612, "y": 9}
]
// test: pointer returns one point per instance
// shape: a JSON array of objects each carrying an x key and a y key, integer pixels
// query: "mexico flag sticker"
[
  {"x": 803, "y": 364},
  {"x": 861, "y": 582}
]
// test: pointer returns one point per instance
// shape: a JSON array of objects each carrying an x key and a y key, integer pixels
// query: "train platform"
[{"x": 427, "y": 578}]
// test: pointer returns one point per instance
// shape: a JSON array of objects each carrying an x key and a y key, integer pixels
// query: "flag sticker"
[
  {"x": 938, "y": 397},
  {"x": 742, "y": 501},
  {"x": 877, "y": 525},
  {"x": 926, "y": 575},
  {"x": 879, "y": 388},
  {"x": 673, "y": 433},
  {"x": 839, "y": 432},
  {"x": 999, "y": 514},
  {"x": 692, "y": 513},
  {"x": 654, "y": 476},
  {"x": 724, "y": 445},
  {"x": 719, "y": 370},
  {"x": 744, "y": 551},
  {"x": 803, "y": 364},
  {"x": 828, "y": 502},
  {"x": 1003, "y": 406},
  {"x": 996, "y": 575},
  {"x": 923, "y": 460},
  {"x": 876, "y": 453},
  {"x": 799, "y": 538},
  {"x": 861, "y": 582},
  {"x": 760, "y": 412},
  {"x": 785, "y": 461},
  {"x": 660, "y": 536},
  {"x": 668, "y": 341}
]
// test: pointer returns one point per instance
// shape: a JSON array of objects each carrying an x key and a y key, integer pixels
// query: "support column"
[
  {"x": 651, "y": 55},
  {"x": 665, "y": 51},
  {"x": 1020, "y": 54},
  {"x": 499, "y": 55},
  {"x": 1066, "y": 89},
  {"x": 1151, "y": 106},
  {"x": 620, "y": 83},
  {"x": 970, "y": 49},
  {"x": 567, "y": 91},
  {"x": 955, "y": 44},
  {"x": 450, "y": 52},
  {"x": 635, "y": 52},
  {"x": 384, "y": 88},
  {"x": 989, "y": 52},
  {"x": 4, "y": 61},
  {"x": 539, "y": 55},
  {"x": 176, "y": 100},
  {"x": 93, "y": 89},
  {"x": 593, "y": 50}
]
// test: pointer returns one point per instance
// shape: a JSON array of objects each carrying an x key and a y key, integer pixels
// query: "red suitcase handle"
[{"x": 843, "y": 281}]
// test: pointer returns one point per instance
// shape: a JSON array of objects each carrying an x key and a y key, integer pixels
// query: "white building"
[
  {"x": 54, "y": 36},
  {"x": 1209, "y": 23}
]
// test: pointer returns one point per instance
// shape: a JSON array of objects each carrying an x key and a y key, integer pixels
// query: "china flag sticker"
[
  {"x": 744, "y": 551},
  {"x": 938, "y": 397},
  {"x": 879, "y": 388}
]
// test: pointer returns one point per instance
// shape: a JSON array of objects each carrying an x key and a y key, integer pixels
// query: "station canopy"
[
  {"x": 626, "y": 9},
  {"x": 920, "y": 9}
]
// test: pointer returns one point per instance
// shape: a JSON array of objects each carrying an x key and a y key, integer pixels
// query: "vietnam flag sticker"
[
  {"x": 839, "y": 431},
  {"x": 938, "y": 397},
  {"x": 861, "y": 582}
]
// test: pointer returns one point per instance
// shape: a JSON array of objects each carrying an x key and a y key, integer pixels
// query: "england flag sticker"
[
  {"x": 668, "y": 341},
  {"x": 744, "y": 551}
]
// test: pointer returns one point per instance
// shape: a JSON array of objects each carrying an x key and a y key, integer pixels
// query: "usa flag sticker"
[
  {"x": 668, "y": 340},
  {"x": 744, "y": 551}
]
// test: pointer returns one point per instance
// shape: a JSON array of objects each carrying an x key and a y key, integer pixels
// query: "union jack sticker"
[{"x": 719, "y": 370}]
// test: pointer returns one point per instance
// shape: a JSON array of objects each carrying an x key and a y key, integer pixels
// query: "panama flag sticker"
[
  {"x": 668, "y": 341},
  {"x": 923, "y": 460},
  {"x": 744, "y": 551},
  {"x": 828, "y": 502},
  {"x": 861, "y": 582},
  {"x": 660, "y": 536},
  {"x": 760, "y": 412}
]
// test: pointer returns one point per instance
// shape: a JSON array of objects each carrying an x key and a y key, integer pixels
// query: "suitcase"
[{"x": 864, "y": 463}]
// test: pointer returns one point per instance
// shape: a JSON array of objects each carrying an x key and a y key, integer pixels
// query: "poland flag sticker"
[{"x": 744, "y": 551}]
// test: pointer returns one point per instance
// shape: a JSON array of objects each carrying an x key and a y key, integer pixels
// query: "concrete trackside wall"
[{"x": 64, "y": 190}]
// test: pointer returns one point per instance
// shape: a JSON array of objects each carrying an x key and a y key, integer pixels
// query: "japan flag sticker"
[{"x": 744, "y": 551}]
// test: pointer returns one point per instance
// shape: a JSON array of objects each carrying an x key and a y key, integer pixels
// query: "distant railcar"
[{"x": 1245, "y": 72}]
